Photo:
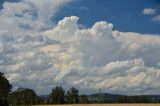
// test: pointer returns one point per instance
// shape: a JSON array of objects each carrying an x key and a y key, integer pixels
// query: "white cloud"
[
  {"x": 149, "y": 11},
  {"x": 88, "y": 58},
  {"x": 156, "y": 18},
  {"x": 46, "y": 9},
  {"x": 27, "y": 14},
  {"x": 92, "y": 60}
]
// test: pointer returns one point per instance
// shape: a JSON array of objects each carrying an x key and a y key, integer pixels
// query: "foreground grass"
[{"x": 104, "y": 105}]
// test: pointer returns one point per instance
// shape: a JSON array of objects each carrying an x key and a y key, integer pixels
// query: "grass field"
[{"x": 106, "y": 105}]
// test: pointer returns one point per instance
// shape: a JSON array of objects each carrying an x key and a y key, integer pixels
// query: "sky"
[
  {"x": 126, "y": 15},
  {"x": 88, "y": 44}
]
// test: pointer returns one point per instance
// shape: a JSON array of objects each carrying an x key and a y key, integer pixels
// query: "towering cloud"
[{"x": 34, "y": 55}]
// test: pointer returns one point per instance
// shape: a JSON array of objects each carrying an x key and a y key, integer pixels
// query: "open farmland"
[{"x": 106, "y": 105}]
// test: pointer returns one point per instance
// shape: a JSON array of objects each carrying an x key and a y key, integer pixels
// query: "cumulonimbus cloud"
[{"x": 87, "y": 58}]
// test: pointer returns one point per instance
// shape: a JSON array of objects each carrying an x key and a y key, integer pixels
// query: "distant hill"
[{"x": 114, "y": 98}]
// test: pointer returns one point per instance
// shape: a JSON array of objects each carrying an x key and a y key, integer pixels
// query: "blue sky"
[
  {"x": 41, "y": 41},
  {"x": 126, "y": 15}
]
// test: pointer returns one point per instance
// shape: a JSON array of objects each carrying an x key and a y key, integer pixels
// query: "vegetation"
[
  {"x": 72, "y": 96},
  {"x": 83, "y": 99},
  {"x": 58, "y": 95},
  {"x": 25, "y": 96},
  {"x": 5, "y": 88}
]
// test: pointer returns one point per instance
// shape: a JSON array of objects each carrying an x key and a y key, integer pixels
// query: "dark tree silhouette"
[
  {"x": 23, "y": 96},
  {"x": 58, "y": 95},
  {"x": 72, "y": 96},
  {"x": 5, "y": 88},
  {"x": 83, "y": 99}
]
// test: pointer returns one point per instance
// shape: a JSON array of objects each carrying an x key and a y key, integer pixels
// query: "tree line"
[
  {"x": 58, "y": 95},
  {"x": 24, "y": 96}
]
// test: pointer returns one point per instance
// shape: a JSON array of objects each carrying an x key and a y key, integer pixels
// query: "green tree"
[
  {"x": 72, "y": 96},
  {"x": 5, "y": 88},
  {"x": 23, "y": 96},
  {"x": 57, "y": 95},
  {"x": 141, "y": 99},
  {"x": 83, "y": 99},
  {"x": 124, "y": 99}
]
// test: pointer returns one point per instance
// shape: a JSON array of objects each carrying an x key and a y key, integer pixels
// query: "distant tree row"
[
  {"x": 58, "y": 96},
  {"x": 25, "y": 96},
  {"x": 138, "y": 99}
]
